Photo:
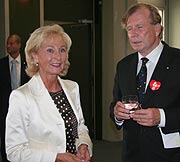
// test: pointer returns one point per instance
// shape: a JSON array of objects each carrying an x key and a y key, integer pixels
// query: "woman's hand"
[
  {"x": 67, "y": 157},
  {"x": 83, "y": 153}
]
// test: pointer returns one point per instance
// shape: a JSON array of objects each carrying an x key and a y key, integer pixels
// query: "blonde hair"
[{"x": 36, "y": 40}]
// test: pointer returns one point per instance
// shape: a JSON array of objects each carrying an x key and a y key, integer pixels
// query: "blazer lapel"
[
  {"x": 131, "y": 74},
  {"x": 160, "y": 71},
  {"x": 70, "y": 91},
  {"x": 44, "y": 100},
  {"x": 24, "y": 76},
  {"x": 6, "y": 76}
]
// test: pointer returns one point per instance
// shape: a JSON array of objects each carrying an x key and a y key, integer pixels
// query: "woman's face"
[{"x": 52, "y": 56}]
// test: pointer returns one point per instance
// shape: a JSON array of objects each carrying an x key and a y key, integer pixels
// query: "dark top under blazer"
[{"x": 144, "y": 144}]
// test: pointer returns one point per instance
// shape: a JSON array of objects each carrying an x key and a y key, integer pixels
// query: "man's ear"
[{"x": 158, "y": 29}]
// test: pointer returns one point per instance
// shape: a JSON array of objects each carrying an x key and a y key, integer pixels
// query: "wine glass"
[{"x": 130, "y": 102}]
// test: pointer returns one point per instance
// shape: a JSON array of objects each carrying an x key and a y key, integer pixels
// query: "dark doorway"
[
  {"x": 83, "y": 23},
  {"x": 81, "y": 19},
  {"x": 81, "y": 68}
]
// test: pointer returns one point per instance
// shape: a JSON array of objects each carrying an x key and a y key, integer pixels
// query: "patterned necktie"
[
  {"x": 14, "y": 81},
  {"x": 141, "y": 79}
]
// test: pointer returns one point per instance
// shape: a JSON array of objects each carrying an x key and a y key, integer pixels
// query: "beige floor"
[{"x": 105, "y": 151}]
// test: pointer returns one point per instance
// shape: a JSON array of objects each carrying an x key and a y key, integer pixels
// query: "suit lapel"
[
  {"x": 24, "y": 77},
  {"x": 160, "y": 71},
  {"x": 131, "y": 74},
  {"x": 5, "y": 75}
]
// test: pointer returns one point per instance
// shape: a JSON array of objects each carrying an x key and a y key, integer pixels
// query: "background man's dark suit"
[
  {"x": 5, "y": 90},
  {"x": 147, "y": 141}
]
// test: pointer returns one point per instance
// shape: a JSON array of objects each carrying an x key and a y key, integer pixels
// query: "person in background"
[
  {"x": 150, "y": 133},
  {"x": 45, "y": 120},
  {"x": 7, "y": 79}
]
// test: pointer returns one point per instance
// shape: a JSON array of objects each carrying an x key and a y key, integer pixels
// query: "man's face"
[
  {"x": 143, "y": 35},
  {"x": 13, "y": 48}
]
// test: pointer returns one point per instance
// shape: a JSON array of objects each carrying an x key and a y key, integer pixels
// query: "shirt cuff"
[
  {"x": 119, "y": 122},
  {"x": 162, "y": 118}
]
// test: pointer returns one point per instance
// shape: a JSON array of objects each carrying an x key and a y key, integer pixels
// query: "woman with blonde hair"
[{"x": 45, "y": 122}]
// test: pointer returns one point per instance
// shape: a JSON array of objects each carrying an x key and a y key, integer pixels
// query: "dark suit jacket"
[
  {"x": 144, "y": 144},
  {"x": 5, "y": 90}
]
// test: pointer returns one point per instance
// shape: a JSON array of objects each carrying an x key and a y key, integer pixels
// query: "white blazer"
[{"x": 35, "y": 130}]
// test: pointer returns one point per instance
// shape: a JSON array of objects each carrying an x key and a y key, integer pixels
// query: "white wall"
[
  {"x": 113, "y": 51},
  {"x": 158, "y": 3},
  {"x": 174, "y": 23}
]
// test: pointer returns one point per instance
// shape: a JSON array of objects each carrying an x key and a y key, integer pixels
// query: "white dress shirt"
[
  {"x": 18, "y": 67},
  {"x": 153, "y": 57}
]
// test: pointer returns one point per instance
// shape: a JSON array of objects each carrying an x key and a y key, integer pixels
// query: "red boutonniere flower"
[{"x": 155, "y": 85}]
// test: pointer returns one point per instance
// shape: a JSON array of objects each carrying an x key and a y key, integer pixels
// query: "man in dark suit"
[
  {"x": 13, "y": 49},
  {"x": 150, "y": 133}
]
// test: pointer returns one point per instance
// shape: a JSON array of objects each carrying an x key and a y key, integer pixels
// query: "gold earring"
[{"x": 36, "y": 63}]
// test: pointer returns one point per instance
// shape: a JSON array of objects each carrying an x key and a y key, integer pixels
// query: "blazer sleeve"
[
  {"x": 83, "y": 132},
  {"x": 17, "y": 121},
  {"x": 116, "y": 96}
]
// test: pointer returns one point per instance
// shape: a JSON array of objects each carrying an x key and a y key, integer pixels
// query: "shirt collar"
[
  {"x": 154, "y": 55},
  {"x": 18, "y": 59}
]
